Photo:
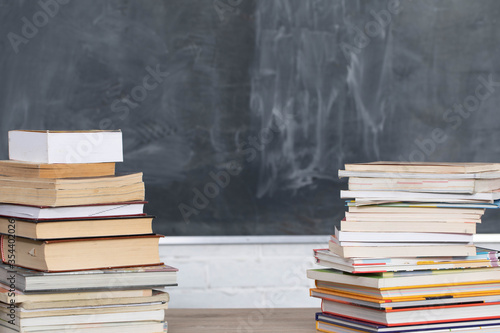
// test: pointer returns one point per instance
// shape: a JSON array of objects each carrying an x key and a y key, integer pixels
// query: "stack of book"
[
  {"x": 403, "y": 259},
  {"x": 78, "y": 252}
]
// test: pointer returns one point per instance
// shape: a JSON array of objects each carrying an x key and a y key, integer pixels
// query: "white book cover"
[
  {"x": 104, "y": 210},
  {"x": 481, "y": 175},
  {"x": 380, "y": 237},
  {"x": 416, "y": 196},
  {"x": 66, "y": 146}
]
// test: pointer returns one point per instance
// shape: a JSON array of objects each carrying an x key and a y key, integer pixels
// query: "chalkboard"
[{"x": 240, "y": 112}]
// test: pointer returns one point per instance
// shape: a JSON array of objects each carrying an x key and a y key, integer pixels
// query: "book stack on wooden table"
[
  {"x": 404, "y": 259},
  {"x": 79, "y": 253}
]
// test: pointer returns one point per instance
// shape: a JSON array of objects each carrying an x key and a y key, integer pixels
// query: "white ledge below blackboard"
[{"x": 199, "y": 240}]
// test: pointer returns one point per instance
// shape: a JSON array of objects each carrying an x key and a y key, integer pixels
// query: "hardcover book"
[
  {"x": 62, "y": 170},
  {"x": 78, "y": 211},
  {"x": 78, "y": 228},
  {"x": 82, "y": 253},
  {"x": 112, "y": 279}
]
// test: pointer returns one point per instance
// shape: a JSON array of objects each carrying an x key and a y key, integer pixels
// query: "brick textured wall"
[
  {"x": 241, "y": 276},
  {"x": 250, "y": 275}
]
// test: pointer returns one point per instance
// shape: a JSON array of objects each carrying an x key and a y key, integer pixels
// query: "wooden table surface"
[{"x": 241, "y": 320}]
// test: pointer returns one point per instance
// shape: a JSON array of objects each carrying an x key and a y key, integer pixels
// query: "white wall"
[
  {"x": 241, "y": 276},
  {"x": 250, "y": 275}
]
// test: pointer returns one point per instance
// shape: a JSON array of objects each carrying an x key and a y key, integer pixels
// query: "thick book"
[
  {"x": 60, "y": 322},
  {"x": 482, "y": 254},
  {"x": 332, "y": 323},
  {"x": 426, "y": 237},
  {"x": 484, "y": 258},
  {"x": 400, "y": 210},
  {"x": 402, "y": 250},
  {"x": 78, "y": 228},
  {"x": 66, "y": 146},
  {"x": 59, "y": 184},
  {"x": 62, "y": 170},
  {"x": 411, "y": 217},
  {"x": 418, "y": 175},
  {"x": 21, "y": 313},
  {"x": 122, "y": 188},
  {"x": 11, "y": 295},
  {"x": 424, "y": 185},
  {"x": 397, "y": 227},
  {"x": 81, "y": 253},
  {"x": 155, "y": 296},
  {"x": 414, "y": 316},
  {"x": 399, "y": 304},
  {"x": 158, "y": 299},
  {"x": 423, "y": 167},
  {"x": 28, "y": 280},
  {"x": 417, "y": 196},
  {"x": 402, "y": 268},
  {"x": 70, "y": 212},
  {"x": 413, "y": 279}
]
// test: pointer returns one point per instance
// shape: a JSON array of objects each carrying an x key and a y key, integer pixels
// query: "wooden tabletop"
[{"x": 241, "y": 320}]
